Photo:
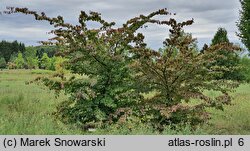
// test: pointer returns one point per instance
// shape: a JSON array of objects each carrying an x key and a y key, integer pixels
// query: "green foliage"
[
  {"x": 104, "y": 58},
  {"x": 45, "y": 62},
  {"x": 244, "y": 24},
  {"x": 19, "y": 61},
  {"x": 121, "y": 68},
  {"x": 245, "y": 71},
  {"x": 220, "y": 37},
  {"x": 227, "y": 58},
  {"x": 7, "y": 49},
  {"x": 31, "y": 59},
  {"x": 54, "y": 64},
  {"x": 59, "y": 65},
  {"x": 179, "y": 73},
  {"x": 2, "y": 63},
  {"x": 32, "y": 63},
  {"x": 50, "y": 50}
]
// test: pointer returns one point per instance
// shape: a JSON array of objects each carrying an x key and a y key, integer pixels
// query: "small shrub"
[{"x": 11, "y": 65}]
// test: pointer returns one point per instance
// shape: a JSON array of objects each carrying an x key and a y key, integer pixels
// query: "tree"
[
  {"x": 5, "y": 50},
  {"x": 229, "y": 59},
  {"x": 2, "y": 63},
  {"x": 50, "y": 50},
  {"x": 244, "y": 24},
  {"x": 179, "y": 73},
  {"x": 120, "y": 68},
  {"x": 245, "y": 71},
  {"x": 31, "y": 59},
  {"x": 220, "y": 36},
  {"x": 19, "y": 61},
  {"x": 45, "y": 61},
  {"x": 52, "y": 63},
  {"x": 8, "y": 49},
  {"x": 59, "y": 65},
  {"x": 40, "y": 53}
]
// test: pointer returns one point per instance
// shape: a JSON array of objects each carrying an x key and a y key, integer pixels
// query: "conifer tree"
[
  {"x": 220, "y": 36},
  {"x": 227, "y": 58},
  {"x": 244, "y": 23}
]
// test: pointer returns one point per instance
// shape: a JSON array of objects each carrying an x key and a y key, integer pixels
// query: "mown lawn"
[{"x": 27, "y": 109}]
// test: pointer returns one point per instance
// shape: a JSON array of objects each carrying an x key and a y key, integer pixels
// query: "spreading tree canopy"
[{"x": 121, "y": 68}]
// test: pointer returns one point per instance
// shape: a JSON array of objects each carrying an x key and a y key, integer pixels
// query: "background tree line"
[
  {"x": 8, "y": 50},
  {"x": 14, "y": 55}
]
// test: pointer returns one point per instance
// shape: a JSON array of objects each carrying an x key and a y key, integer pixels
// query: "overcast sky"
[{"x": 208, "y": 16}]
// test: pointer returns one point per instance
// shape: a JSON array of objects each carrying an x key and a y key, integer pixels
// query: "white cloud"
[{"x": 208, "y": 15}]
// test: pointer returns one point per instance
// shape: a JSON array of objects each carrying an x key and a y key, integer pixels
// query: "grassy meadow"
[{"x": 27, "y": 109}]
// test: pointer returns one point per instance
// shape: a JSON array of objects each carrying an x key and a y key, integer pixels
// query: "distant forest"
[{"x": 14, "y": 55}]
